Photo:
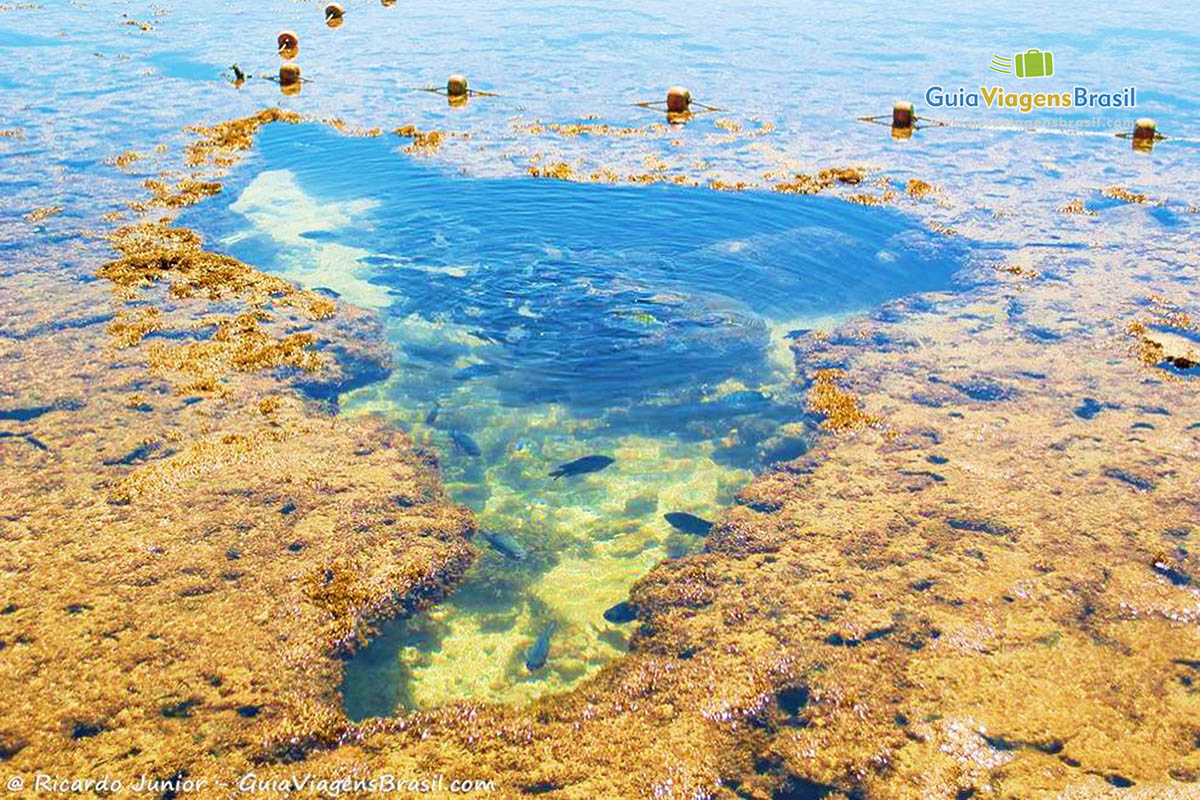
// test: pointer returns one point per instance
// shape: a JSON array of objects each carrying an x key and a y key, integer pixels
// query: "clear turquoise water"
[
  {"x": 534, "y": 322},
  {"x": 589, "y": 319}
]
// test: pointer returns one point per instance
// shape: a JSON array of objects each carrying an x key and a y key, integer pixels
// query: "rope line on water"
[
  {"x": 680, "y": 107},
  {"x": 925, "y": 122}
]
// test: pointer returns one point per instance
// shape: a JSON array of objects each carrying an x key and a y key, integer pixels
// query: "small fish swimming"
[
  {"x": 505, "y": 544},
  {"x": 581, "y": 466},
  {"x": 432, "y": 416},
  {"x": 465, "y": 443},
  {"x": 688, "y": 523},
  {"x": 622, "y": 612},
  {"x": 535, "y": 659}
]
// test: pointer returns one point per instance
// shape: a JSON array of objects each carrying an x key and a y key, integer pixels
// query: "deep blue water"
[{"x": 592, "y": 295}]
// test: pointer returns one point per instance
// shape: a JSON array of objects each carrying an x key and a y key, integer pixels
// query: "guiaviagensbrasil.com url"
[{"x": 250, "y": 784}]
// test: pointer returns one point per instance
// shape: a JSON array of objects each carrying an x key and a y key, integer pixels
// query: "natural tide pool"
[
  {"x": 535, "y": 322},
  {"x": 990, "y": 592}
]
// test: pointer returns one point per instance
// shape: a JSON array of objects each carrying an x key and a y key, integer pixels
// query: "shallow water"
[
  {"x": 588, "y": 319},
  {"x": 536, "y": 322}
]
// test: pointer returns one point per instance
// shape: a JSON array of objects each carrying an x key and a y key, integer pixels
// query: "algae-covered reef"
[
  {"x": 981, "y": 583},
  {"x": 987, "y": 591},
  {"x": 190, "y": 542},
  {"x": 182, "y": 572}
]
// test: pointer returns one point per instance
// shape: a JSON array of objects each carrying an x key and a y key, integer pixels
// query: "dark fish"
[
  {"x": 688, "y": 523},
  {"x": 581, "y": 466},
  {"x": 476, "y": 371},
  {"x": 622, "y": 612},
  {"x": 505, "y": 544},
  {"x": 535, "y": 659},
  {"x": 431, "y": 417},
  {"x": 465, "y": 443}
]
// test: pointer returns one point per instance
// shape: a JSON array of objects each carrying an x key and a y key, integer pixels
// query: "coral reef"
[{"x": 994, "y": 596}]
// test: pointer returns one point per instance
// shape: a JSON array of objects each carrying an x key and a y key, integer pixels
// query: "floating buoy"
[
  {"x": 679, "y": 100},
  {"x": 288, "y": 44},
  {"x": 388, "y": 3},
  {"x": 456, "y": 86},
  {"x": 1145, "y": 131},
  {"x": 289, "y": 79},
  {"x": 902, "y": 114},
  {"x": 334, "y": 11}
]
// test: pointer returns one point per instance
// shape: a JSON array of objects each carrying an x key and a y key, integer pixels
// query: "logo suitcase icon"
[{"x": 1033, "y": 63}]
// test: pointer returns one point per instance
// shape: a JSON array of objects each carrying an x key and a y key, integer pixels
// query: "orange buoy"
[
  {"x": 456, "y": 86},
  {"x": 679, "y": 100},
  {"x": 333, "y": 14},
  {"x": 1145, "y": 131},
  {"x": 388, "y": 2},
  {"x": 902, "y": 114},
  {"x": 288, "y": 44}
]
